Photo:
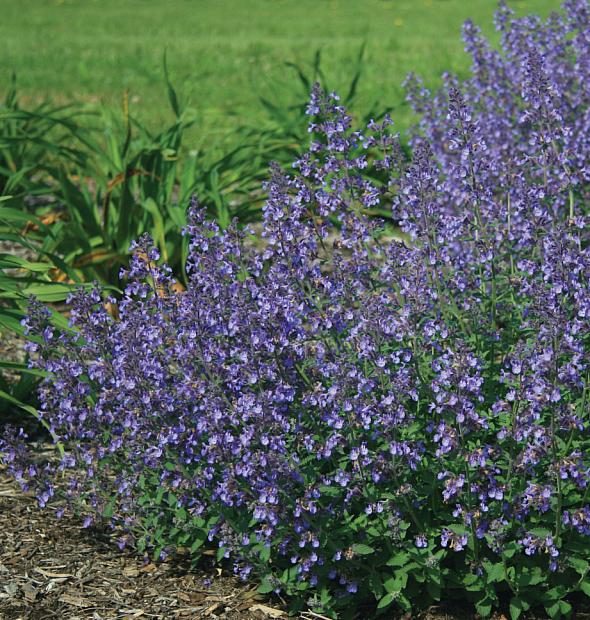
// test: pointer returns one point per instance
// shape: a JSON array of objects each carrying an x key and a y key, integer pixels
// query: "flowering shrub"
[{"x": 355, "y": 414}]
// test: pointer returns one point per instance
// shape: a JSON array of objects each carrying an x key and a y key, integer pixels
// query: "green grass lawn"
[{"x": 225, "y": 54}]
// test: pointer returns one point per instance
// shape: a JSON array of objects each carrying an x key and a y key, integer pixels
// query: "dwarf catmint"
[{"x": 373, "y": 407}]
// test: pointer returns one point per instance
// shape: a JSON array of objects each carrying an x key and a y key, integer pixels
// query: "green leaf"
[
  {"x": 516, "y": 607},
  {"x": 433, "y": 589},
  {"x": 585, "y": 587},
  {"x": 265, "y": 586},
  {"x": 289, "y": 574},
  {"x": 375, "y": 584},
  {"x": 387, "y": 600},
  {"x": 399, "y": 559},
  {"x": 495, "y": 572},
  {"x": 158, "y": 225},
  {"x": 434, "y": 576},
  {"x": 108, "y": 511},
  {"x": 159, "y": 495},
  {"x": 330, "y": 491},
  {"x": 197, "y": 544},
  {"x": 264, "y": 554},
  {"x": 23, "y": 368},
  {"x": 171, "y": 92},
  {"x": 565, "y": 608},
  {"x": 396, "y": 583},
  {"x": 530, "y": 578},
  {"x": 410, "y": 566},
  {"x": 579, "y": 565},
  {"x": 45, "y": 291},
  {"x": 10, "y": 319},
  {"x": 556, "y": 593},
  {"x": 540, "y": 532},
  {"x": 510, "y": 549},
  {"x": 360, "y": 549},
  {"x": 558, "y": 609},
  {"x": 404, "y": 603},
  {"x": 457, "y": 528},
  {"x": 19, "y": 218},
  {"x": 8, "y": 261},
  {"x": 470, "y": 579},
  {"x": 484, "y": 606}
]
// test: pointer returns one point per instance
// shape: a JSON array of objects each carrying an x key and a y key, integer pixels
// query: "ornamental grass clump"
[{"x": 352, "y": 414}]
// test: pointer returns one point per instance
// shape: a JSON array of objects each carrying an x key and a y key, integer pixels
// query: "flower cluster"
[{"x": 372, "y": 407}]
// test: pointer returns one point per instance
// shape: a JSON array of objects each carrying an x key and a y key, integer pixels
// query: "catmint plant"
[{"x": 353, "y": 413}]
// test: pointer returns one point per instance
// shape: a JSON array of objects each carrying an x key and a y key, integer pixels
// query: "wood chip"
[
  {"x": 30, "y": 592},
  {"x": 271, "y": 612},
  {"x": 74, "y": 600},
  {"x": 132, "y": 613},
  {"x": 132, "y": 571},
  {"x": 197, "y": 597},
  {"x": 51, "y": 575},
  {"x": 11, "y": 588},
  {"x": 209, "y": 611}
]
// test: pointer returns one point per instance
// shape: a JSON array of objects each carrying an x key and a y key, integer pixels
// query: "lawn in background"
[{"x": 223, "y": 55}]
